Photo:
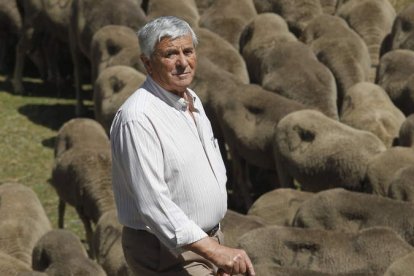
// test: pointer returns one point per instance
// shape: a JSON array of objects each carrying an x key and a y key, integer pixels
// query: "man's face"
[{"x": 173, "y": 63}]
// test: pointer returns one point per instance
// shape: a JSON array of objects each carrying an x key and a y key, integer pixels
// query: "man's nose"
[{"x": 182, "y": 60}]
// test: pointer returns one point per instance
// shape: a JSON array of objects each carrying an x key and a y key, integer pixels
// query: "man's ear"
[{"x": 146, "y": 61}]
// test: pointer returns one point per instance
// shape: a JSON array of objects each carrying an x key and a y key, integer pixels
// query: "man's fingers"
[
  {"x": 250, "y": 270},
  {"x": 249, "y": 267},
  {"x": 240, "y": 264}
]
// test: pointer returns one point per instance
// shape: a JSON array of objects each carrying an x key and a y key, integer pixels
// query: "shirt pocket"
[{"x": 218, "y": 164}]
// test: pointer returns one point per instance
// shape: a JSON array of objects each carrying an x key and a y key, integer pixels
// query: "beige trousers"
[{"x": 147, "y": 256}]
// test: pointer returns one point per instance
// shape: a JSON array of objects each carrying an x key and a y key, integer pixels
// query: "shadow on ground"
[{"x": 51, "y": 116}]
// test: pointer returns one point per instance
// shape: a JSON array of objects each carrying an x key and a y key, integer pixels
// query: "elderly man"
[{"x": 169, "y": 179}]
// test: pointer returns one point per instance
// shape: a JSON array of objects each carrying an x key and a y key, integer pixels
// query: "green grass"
[{"x": 28, "y": 128}]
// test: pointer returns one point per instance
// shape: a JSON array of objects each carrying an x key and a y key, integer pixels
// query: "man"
[{"x": 169, "y": 179}]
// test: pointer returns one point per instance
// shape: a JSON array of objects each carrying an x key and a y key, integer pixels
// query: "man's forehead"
[{"x": 181, "y": 41}]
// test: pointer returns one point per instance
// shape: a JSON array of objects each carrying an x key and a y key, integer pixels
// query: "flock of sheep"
[{"x": 311, "y": 101}]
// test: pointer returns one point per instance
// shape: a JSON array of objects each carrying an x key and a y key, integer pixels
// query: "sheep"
[
  {"x": 383, "y": 167},
  {"x": 401, "y": 185},
  {"x": 246, "y": 124},
  {"x": 60, "y": 252},
  {"x": 115, "y": 45},
  {"x": 80, "y": 132},
  {"x": 341, "y": 49},
  {"x": 395, "y": 75},
  {"x": 348, "y": 211},
  {"x": 406, "y": 132},
  {"x": 22, "y": 221},
  {"x": 368, "y": 107},
  {"x": 324, "y": 251},
  {"x": 372, "y": 20},
  {"x": 228, "y": 18},
  {"x": 234, "y": 225},
  {"x": 45, "y": 26},
  {"x": 278, "y": 207},
  {"x": 11, "y": 22},
  {"x": 113, "y": 86},
  {"x": 297, "y": 13},
  {"x": 81, "y": 174},
  {"x": 322, "y": 153},
  {"x": 228, "y": 58},
  {"x": 290, "y": 69},
  {"x": 185, "y": 9},
  {"x": 89, "y": 16}
]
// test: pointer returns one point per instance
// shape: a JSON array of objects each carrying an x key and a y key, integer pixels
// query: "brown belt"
[{"x": 213, "y": 230}]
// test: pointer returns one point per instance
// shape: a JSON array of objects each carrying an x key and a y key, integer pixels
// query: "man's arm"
[{"x": 229, "y": 260}]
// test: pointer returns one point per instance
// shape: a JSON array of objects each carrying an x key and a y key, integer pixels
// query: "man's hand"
[{"x": 230, "y": 261}]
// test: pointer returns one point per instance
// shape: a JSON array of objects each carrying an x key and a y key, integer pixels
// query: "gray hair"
[{"x": 165, "y": 26}]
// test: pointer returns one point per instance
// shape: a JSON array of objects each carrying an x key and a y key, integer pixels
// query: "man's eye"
[
  {"x": 170, "y": 55},
  {"x": 188, "y": 52}
]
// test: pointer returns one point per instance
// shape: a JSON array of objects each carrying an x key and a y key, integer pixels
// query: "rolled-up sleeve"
[{"x": 138, "y": 158}]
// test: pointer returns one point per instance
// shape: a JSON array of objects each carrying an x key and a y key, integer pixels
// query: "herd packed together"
[{"x": 311, "y": 101}]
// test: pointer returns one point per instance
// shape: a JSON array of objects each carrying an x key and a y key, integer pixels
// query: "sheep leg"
[
  {"x": 61, "y": 211},
  {"x": 89, "y": 232},
  {"x": 21, "y": 49}
]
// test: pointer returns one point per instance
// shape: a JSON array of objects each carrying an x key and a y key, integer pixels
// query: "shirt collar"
[{"x": 168, "y": 97}]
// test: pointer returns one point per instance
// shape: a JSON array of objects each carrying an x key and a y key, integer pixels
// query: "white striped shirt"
[{"x": 168, "y": 175}]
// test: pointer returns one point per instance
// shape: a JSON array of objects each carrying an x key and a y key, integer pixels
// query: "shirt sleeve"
[{"x": 138, "y": 153}]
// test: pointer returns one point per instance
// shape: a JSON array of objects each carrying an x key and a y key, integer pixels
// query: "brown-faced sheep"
[
  {"x": 23, "y": 221},
  {"x": 341, "y": 49},
  {"x": 325, "y": 251},
  {"x": 60, "y": 252},
  {"x": 113, "y": 86},
  {"x": 347, "y": 211},
  {"x": 322, "y": 153},
  {"x": 368, "y": 107}
]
